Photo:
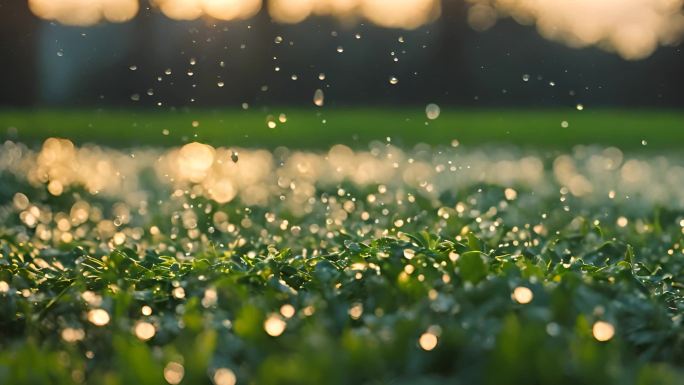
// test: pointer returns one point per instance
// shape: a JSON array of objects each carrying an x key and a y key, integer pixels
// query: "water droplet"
[
  {"x": 603, "y": 331},
  {"x": 274, "y": 326},
  {"x": 526, "y": 78},
  {"x": 428, "y": 341},
  {"x": 270, "y": 122},
  {"x": 340, "y": 49},
  {"x": 220, "y": 84},
  {"x": 167, "y": 71},
  {"x": 432, "y": 111},
  {"x": 234, "y": 157},
  {"x": 393, "y": 80},
  {"x": 522, "y": 295},
  {"x": 278, "y": 39},
  {"x": 193, "y": 61},
  {"x": 579, "y": 107},
  {"x": 644, "y": 142},
  {"x": 135, "y": 97},
  {"x": 319, "y": 98},
  {"x": 133, "y": 67},
  {"x": 565, "y": 124},
  {"x": 98, "y": 317},
  {"x": 321, "y": 76},
  {"x": 174, "y": 373},
  {"x": 282, "y": 118},
  {"x": 224, "y": 376},
  {"x": 294, "y": 77},
  {"x": 144, "y": 330}
]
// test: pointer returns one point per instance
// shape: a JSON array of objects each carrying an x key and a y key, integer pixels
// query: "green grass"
[
  {"x": 357, "y": 127},
  {"x": 438, "y": 248},
  {"x": 457, "y": 284}
]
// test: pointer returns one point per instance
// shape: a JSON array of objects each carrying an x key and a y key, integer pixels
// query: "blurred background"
[{"x": 457, "y": 53}]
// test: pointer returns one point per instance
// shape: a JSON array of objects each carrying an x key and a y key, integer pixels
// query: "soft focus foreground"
[{"x": 201, "y": 265}]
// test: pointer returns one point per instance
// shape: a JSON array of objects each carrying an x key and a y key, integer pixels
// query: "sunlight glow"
[
  {"x": 632, "y": 28},
  {"x": 218, "y": 9},
  {"x": 84, "y": 12}
]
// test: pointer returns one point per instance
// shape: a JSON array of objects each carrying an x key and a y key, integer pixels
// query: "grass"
[
  {"x": 468, "y": 275},
  {"x": 356, "y": 308},
  {"x": 305, "y": 128}
]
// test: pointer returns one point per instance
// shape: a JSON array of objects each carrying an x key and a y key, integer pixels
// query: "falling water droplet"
[
  {"x": 526, "y": 78},
  {"x": 319, "y": 98},
  {"x": 234, "y": 157},
  {"x": 340, "y": 49},
  {"x": 432, "y": 111},
  {"x": 220, "y": 84},
  {"x": 278, "y": 39},
  {"x": 579, "y": 107},
  {"x": 393, "y": 80},
  {"x": 270, "y": 122}
]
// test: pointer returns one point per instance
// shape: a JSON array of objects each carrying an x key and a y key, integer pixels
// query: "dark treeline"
[{"x": 120, "y": 65}]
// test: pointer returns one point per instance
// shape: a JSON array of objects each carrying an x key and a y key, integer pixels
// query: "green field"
[
  {"x": 151, "y": 260},
  {"x": 305, "y": 128}
]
